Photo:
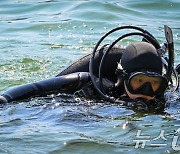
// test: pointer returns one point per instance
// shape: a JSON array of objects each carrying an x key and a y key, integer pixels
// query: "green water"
[{"x": 38, "y": 38}]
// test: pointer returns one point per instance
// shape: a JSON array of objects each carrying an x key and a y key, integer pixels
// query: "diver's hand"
[{"x": 3, "y": 100}]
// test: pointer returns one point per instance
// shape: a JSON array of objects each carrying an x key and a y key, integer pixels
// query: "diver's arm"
[{"x": 67, "y": 83}]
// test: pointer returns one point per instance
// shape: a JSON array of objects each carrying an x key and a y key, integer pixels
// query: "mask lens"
[
  {"x": 150, "y": 85},
  {"x": 139, "y": 80}
]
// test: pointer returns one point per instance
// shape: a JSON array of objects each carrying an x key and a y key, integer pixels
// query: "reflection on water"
[{"x": 39, "y": 38}]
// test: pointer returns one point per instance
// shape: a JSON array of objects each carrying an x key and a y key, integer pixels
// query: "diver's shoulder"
[{"x": 116, "y": 48}]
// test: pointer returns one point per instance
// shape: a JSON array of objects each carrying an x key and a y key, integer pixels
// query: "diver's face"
[{"x": 138, "y": 81}]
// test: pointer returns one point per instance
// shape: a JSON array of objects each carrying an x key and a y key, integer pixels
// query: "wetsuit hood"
[{"x": 141, "y": 56}]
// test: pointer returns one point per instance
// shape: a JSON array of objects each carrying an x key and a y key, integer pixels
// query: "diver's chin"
[{"x": 136, "y": 96}]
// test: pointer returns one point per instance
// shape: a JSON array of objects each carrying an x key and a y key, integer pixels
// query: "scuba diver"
[{"x": 112, "y": 72}]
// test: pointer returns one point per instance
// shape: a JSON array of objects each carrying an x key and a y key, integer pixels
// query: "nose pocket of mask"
[{"x": 145, "y": 89}]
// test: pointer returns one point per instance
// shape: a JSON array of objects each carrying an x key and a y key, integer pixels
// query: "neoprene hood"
[{"x": 141, "y": 56}]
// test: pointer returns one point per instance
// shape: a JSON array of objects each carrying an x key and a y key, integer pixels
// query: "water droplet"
[{"x": 80, "y": 41}]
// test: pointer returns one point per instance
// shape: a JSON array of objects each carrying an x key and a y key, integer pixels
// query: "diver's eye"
[
  {"x": 140, "y": 81},
  {"x": 155, "y": 84},
  {"x": 136, "y": 82}
]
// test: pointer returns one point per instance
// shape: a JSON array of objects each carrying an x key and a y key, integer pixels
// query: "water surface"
[{"x": 40, "y": 38}]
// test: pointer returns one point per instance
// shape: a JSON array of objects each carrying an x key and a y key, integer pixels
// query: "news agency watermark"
[{"x": 159, "y": 141}]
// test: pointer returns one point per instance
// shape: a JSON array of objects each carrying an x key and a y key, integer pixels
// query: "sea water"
[{"x": 38, "y": 38}]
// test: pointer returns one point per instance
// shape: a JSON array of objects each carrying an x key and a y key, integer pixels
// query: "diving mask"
[{"x": 146, "y": 83}]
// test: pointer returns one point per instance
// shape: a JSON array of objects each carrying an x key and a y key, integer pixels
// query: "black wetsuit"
[{"x": 72, "y": 79}]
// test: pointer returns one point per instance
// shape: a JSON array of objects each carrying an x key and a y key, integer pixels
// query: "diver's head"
[{"x": 143, "y": 68}]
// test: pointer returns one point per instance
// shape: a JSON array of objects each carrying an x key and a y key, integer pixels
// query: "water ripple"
[{"x": 38, "y": 39}]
